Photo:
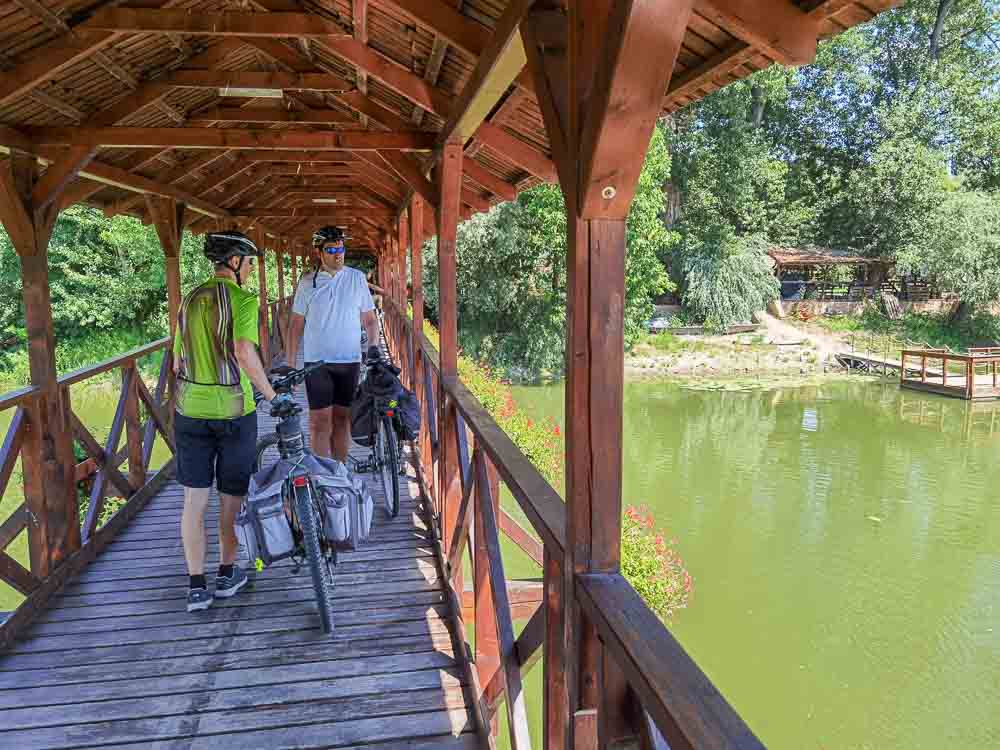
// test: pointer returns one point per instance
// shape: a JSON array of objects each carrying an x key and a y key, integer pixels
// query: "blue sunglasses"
[{"x": 331, "y": 249}]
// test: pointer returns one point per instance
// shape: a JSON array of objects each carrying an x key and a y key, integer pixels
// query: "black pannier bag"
[{"x": 383, "y": 384}]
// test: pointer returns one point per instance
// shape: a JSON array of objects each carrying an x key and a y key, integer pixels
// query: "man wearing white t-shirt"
[{"x": 331, "y": 306}]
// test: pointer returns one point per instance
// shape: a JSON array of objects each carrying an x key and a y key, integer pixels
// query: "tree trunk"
[
  {"x": 961, "y": 313},
  {"x": 758, "y": 103},
  {"x": 944, "y": 8}
]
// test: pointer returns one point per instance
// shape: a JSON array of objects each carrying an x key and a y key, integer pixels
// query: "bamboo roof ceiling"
[{"x": 243, "y": 117}]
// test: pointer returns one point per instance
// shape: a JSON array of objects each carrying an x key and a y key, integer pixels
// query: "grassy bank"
[{"x": 873, "y": 330}]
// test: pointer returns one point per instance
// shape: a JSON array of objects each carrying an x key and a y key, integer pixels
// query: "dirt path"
[{"x": 779, "y": 331}]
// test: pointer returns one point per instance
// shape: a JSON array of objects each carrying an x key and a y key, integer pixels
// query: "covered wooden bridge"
[{"x": 394, "y": 119}]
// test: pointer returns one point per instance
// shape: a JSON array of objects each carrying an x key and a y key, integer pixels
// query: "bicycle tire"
[
  {"x": 268, "y": 441},
  {"x": 321, "y": 576},
  {"x": 386, "y": 453}
]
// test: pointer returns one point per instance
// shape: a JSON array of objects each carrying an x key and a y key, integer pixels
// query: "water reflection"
[{"x": 845, "y": 543}]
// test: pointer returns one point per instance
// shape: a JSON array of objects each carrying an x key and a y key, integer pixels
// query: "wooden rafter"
[
  {"x": 272, "y": 114},
  {"x": 238, "y": 138},
  {"x": 153, "y": 21}
]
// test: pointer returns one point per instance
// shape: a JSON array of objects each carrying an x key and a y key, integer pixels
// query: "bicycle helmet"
[
  {"x": 221, "y": 246},
  {"x": 327, "y": 234}
]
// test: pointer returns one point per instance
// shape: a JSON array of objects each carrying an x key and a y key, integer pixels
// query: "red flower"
[{"x": 555, "y": 430}]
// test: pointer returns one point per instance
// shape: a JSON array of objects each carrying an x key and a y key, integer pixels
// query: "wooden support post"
[
  {"x": 265, "y": 328},
  {"x": 295, "y": 270},
  {"x": 449, "y": 183},
  {"x": 416, "y": 285},
  {"x": 168, "y": 219},
  {"x": 402, "y": 347},
  {"x": 47, "y": 458},
  {"x": 599, "y": 92},
  {"x": 279, "y": 257},
  {"x": 487, "y": 655}
]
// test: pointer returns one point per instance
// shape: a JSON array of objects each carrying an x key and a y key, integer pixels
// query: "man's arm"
[
  {"x": 246, "y": 355},
  {"x": 369, "y": 321},
  {"x": 296, "y": 326},
  {"x": 375, "y": 289}
]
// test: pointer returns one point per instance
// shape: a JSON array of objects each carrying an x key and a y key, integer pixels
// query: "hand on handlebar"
[{"x": 282, "y": 404}]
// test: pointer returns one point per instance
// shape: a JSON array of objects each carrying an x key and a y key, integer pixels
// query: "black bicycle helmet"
[
  {"x": 327, "y": 234},
  {"x": 221, "y": 246}
]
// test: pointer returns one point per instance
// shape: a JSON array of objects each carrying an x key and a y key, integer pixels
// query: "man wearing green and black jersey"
[{"x": 215, "y": 427}]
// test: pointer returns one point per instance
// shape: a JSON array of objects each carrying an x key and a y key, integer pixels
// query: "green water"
[
  {"x": 94, "y": 403},
  {"x": 845, "y": 545}
]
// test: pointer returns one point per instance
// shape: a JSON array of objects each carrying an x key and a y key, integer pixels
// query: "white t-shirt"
[{"x": 332, "y": 309}]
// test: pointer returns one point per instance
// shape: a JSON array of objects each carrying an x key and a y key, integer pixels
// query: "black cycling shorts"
[
  {"x": 332, "y": 385},
  {"x": 219, "y": 449}
]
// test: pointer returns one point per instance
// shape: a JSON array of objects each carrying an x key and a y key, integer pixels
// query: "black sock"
[
  {"x": 198, "y": 582},
  {"x": 225, "y": 571}
]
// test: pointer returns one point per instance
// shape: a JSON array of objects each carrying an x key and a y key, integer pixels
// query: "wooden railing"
[
  {"x": 670, "y": 698},
  {"x": 103, "y": 463},
  {"x": 970, "y": 375}
]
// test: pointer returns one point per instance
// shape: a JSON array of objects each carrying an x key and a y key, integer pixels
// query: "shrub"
[
  {"x": 652, "y": 565},
  {"x": 649, "y": 563}
]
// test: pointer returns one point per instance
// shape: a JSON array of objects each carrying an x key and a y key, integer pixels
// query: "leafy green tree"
[
  {"x": 728, "y": 280},
  {"x": 961, "y": 247},
  {"x": 511, "y": 273}
]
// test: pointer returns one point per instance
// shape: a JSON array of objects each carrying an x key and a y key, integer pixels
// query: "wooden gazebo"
[{"x": 395, "y": 119}]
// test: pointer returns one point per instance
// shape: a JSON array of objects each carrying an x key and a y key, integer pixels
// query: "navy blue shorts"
[{"x": 222, "y": 450}]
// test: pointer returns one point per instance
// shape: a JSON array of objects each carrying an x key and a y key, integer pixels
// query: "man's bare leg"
[
  {"x": 320, "y": 424},
  {"x": 340, "y": 432},
  {"x": 229, "y": 546},
  {"x": 193, "y": 529}
]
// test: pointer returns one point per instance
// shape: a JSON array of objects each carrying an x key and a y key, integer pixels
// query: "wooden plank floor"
[{"x": 116, "y": 661}]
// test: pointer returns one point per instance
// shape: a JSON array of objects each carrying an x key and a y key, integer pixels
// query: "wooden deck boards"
[{"x": 116, "y": 661}]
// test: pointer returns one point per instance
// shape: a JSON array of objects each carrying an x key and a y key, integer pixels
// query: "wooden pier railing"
[
  {"x": 103, "y": 462},
  {"x": 668, "y": 698},
  {"x": 971, "y": 376}
]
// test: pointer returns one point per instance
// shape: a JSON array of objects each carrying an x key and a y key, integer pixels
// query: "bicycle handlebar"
[{"x": 286, "y": 383}]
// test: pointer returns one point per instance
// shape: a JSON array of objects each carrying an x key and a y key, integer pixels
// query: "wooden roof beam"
[
  {"x": 331, "y": 212},
  {"x": 221, "y": 79},
  {"x": 776, "y": 27},
  {"x": 717, "y": 66},
  {"x": 298, "y": 156},
  {"x": 155, "y": 21},
  {"x": 272, "y": 114},
  {"x": 501, "y": 61},
  {"x": 235, "y": 138},
  {"x": 59, "y": 174},
  {"x": 525, "y": 156}
]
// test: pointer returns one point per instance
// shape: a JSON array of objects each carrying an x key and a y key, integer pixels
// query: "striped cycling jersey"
[{"x": 210, "y": 384}]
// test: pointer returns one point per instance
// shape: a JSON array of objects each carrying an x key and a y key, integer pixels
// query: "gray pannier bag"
[
  {"x": 262, "y": 527},
  {"x": 349, "y": 507}
]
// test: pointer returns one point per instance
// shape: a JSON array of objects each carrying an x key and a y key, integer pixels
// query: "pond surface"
[{"x": 845, "y": 545}]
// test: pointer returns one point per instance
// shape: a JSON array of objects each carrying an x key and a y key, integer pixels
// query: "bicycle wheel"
[
  {"x": 267, "y": 451},
  {"x": 388, "y": 463},
  {"x": 321, "y": 576}
]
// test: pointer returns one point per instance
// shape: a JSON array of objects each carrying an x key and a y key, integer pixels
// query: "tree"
[
  {"x": 961, "y": 247},
  {"x": 512, "y": 273},
  {"x": 728, "y": 280}
]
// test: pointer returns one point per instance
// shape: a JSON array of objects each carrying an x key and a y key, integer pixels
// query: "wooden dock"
[{"x": 116, "y": 660}]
